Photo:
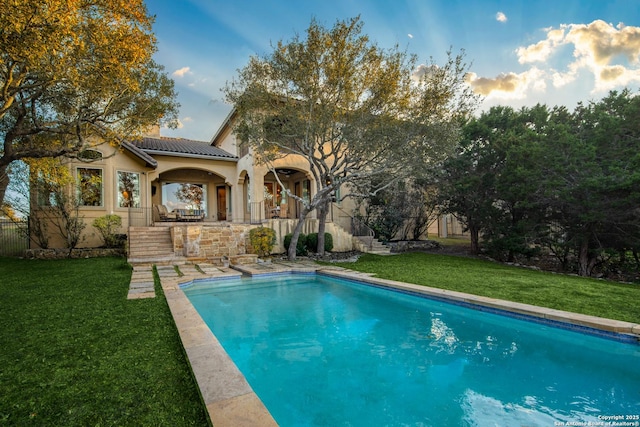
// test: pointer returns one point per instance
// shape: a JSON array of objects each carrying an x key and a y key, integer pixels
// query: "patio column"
[{"x": 257, "y": 194}]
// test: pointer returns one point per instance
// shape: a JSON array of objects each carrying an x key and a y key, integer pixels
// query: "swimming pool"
[{"x": 324, "y": 351}]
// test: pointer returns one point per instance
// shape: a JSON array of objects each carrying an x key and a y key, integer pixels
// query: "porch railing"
[{"x": 140, "y": 217}]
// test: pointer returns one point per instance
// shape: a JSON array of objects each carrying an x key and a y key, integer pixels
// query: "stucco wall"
[{"x": 342, "y": 241}]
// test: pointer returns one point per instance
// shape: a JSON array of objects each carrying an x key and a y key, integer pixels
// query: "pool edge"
[
  {"x": 228, "y": 397},
  {"x": 629, "y": 332}
]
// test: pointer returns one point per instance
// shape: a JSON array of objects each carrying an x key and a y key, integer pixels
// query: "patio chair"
[{"x": 163, "y": 214}]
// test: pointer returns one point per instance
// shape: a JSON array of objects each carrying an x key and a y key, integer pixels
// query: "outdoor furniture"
[
  {"x": 190, "y": 214},
  {"x": 161, "y": 213}
]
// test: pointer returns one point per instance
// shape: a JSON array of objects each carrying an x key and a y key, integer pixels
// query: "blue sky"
[{"x": 521, "y": 52}]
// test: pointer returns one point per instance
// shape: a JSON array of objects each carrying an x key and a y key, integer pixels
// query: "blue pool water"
[{"x": 321, "y": 351}]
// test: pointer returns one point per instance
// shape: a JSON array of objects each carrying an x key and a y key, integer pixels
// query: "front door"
[{"x": 222, "y": 203}]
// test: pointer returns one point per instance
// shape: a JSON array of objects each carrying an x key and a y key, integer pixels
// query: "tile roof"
[
  {"x": 147, "y": 159},
  {"x": 182, "y": 148}
]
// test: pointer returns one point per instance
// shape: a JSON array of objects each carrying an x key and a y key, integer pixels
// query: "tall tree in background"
[
  {"x": 592, "y": 176},
  {"x": 541, "y": 177},
  {"x": 352, "y": 110},
  {"x": 75, "y": 73}
]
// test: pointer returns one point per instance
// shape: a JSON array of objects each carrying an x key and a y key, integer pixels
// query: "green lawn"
[
  {"x": 76, "y": 352},
  {"x": 588, "y": 296}
]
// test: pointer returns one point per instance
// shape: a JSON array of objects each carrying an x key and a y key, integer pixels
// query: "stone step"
[{"x": 150, "y": 245}]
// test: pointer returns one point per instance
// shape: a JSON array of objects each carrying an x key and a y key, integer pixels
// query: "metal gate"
[{"x": 14, "y": 237}]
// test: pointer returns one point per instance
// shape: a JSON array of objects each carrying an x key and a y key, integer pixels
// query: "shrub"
[
  {"x": 301, "y": 247},
  {"x": 262, "y": 239},
  {"x": 107, "y": 225},
  {"x": 312, "y": 242}
]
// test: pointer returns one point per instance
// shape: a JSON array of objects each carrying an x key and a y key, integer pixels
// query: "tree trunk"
[
  {"x": 291, "y": 253},
  {"x": 323, "y": 210},
  {"x": 4, "y": 181},
  {"x": 475, "y": 239},
  {"x": 585, "y": 261}
]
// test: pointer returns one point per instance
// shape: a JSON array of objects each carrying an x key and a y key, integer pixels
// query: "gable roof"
[{"x": 180, "y": 147}]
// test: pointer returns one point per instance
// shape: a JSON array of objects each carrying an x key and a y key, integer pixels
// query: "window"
[
  {"x": 89, "y": 186},
  {"x": 184, "y": 195},
  {"x": 90, "y": 155},
  {"x": 128, "y": 189}
]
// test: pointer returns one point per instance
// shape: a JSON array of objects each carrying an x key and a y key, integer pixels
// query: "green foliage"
[
  {"x": 312, "y": 242},
  {"x": 549, "y": 178},
  {"x": 108, "y": 225},
  {"x": 403, "y": 210},
  {"x": 92, "y": 357},
  {"x": 262, "y": 240},
  {"x": 75, "y": 73},
  {"x": 351, "y": 109},
  {"x": 301, "y": 247}
]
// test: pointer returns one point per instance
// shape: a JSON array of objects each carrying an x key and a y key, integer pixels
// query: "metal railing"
[
  {"x": 140, "y": 217},
  {"x": 14, "y": 237},
  {"x": 352, "y": 224}
]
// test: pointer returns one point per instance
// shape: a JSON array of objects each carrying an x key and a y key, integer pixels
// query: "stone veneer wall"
[
  {"x": 226, "y": 239},
  {"x": 211, "y": 241},
  {"x": 76, "y": 253}
]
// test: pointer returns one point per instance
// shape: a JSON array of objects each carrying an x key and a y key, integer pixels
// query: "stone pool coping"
[{"x": 230, "y": 400}]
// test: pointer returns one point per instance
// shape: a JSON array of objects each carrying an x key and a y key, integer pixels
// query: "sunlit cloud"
[
  {"x": 508, "y": 85},
  {"x": 542, "y": 50},
  {"x": 501, "y": 17},
  {"x": 182, "y": 72},
  {"x": 610, "y": 54},
  {"x": 187, "y": 119},
  {"x": 423, "y": 70}
]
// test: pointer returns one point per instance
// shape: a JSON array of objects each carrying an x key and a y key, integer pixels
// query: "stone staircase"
[
  {"x": 151, "y": 245},
  {"x": 370, "y": 245}
]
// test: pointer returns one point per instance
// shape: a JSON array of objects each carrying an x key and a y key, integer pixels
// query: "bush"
[
  {"x": 312, "y": 242},
  {"x": 262, "y": 239},
  {"x": 107, "y": 226},
  {"x": 301, "y": 247}
]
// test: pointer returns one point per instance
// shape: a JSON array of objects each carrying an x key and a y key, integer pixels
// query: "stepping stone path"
[{"x": 142, "y": 284}]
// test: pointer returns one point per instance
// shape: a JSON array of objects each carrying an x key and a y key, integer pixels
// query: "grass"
[
  {"x": 570, "y": 293},
  {"x": 76, "y": 352}
]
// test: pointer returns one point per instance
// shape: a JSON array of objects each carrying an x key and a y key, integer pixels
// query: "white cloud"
[
  {"x": 508, "y": 85},
  {"x": 410, "y": 35},
  {"x": 501, "y": 17},
  {"x": 182, "y": 72},
  {"x": 611, "y": 54},
  {"x": 187, "y": 119}
]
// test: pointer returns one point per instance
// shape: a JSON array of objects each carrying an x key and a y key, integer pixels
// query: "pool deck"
[{"x": 229, "y": 399}]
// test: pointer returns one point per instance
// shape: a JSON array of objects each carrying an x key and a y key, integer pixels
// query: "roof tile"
[{"x": 182, "y": 146}]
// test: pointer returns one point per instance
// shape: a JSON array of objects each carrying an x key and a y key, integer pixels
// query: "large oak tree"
[
  {"x": 353, "y": 110},
  {"x": 75, "y": 73}
]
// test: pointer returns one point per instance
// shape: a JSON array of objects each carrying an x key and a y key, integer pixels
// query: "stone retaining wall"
[
  {"x": 413, "y": 245},
  {"x": 60, "y": 253},
  {"x": 214, "y": 241}
]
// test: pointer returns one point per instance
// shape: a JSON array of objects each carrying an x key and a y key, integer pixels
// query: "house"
[
  {"x": 185, "y": 198},
  {"x": 202, "y": 197}
]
